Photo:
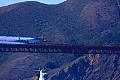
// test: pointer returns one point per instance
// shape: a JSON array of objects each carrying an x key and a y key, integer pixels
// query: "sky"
[{"x": 8, "y": 2}]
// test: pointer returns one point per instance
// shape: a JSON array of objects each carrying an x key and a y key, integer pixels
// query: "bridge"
[{"x": 60, "y": 48}]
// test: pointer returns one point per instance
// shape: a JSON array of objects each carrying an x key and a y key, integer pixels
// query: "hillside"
[
  {"x": 69, "y": 22},
  {"x": 73, "y": 21}
]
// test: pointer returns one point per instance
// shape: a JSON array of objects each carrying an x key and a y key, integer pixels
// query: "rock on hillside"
[{"x": 90, "y": 67}]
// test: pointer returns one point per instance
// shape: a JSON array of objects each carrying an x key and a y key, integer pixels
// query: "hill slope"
[{"x": 69, "y": 22}]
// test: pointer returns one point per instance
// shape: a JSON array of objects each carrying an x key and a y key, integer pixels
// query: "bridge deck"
[{"x": 59, "y": 48}]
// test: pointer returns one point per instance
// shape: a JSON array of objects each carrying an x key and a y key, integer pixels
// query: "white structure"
[{"x": 41, "y": 74}]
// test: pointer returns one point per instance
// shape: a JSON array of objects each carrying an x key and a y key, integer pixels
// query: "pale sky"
[{"x": 7, "y": 2}]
